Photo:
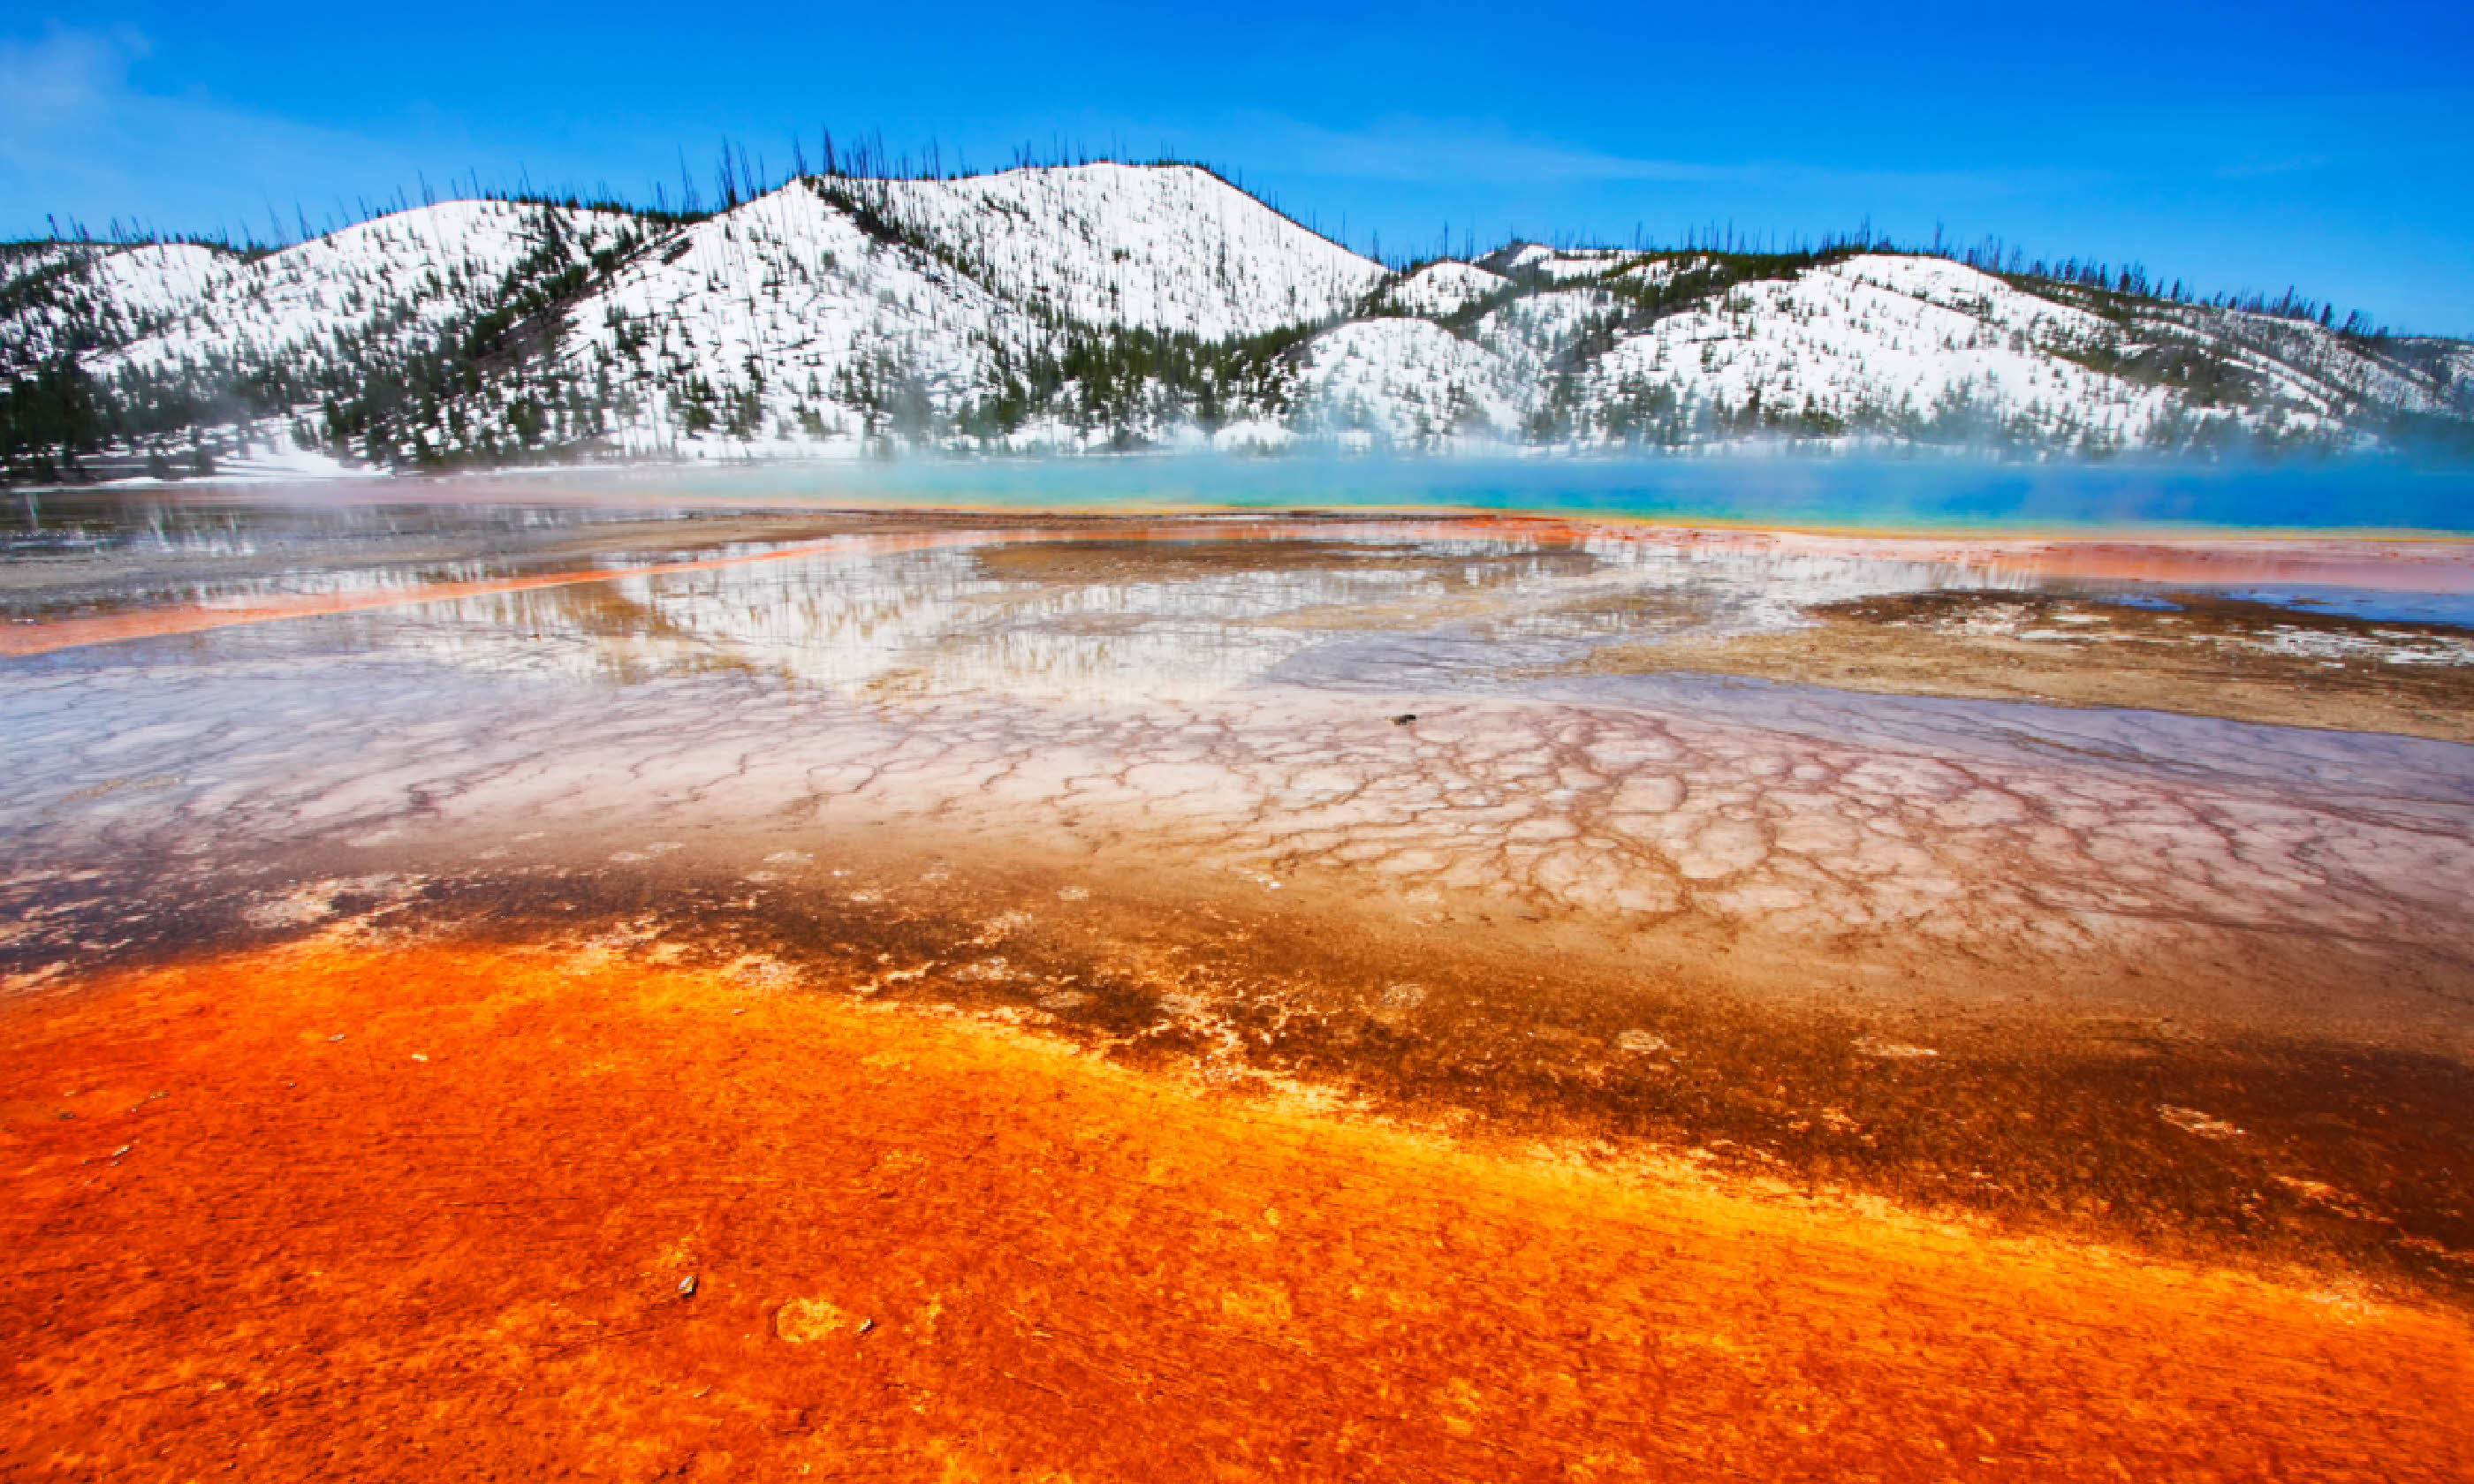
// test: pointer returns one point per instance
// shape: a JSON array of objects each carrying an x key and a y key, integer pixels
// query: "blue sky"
[{"x": 2238, "y": 146}]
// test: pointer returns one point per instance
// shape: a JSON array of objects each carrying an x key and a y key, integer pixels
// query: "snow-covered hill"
[
  {"x": 391, "y": 280},
  {"x": 1170, "y": 248},
  {"x": 73, "y": 298},
  {"x": 1439, "y": 290},
  {"x": 1883, "y": 340},
  {"x": 1103, "y": 307}
]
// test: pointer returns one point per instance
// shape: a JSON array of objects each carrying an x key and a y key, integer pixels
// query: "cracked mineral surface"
[{"x": 1922, "y": 923}]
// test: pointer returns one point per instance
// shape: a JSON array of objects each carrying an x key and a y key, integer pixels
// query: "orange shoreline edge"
[{"x": 348, "y": 1211}]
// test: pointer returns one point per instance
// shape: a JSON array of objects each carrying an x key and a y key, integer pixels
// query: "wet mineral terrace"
[{"x": 1796, "y": 892}]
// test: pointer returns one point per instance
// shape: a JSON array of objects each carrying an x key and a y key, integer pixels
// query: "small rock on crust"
[
  {"x": 806, "y": 1321},
  {"x": 2191, "y": 1121}
]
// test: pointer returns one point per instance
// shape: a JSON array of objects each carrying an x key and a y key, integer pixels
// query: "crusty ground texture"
[
  {"x": 2209, "y": 657},
  {"x": 341, "y": 1210}
]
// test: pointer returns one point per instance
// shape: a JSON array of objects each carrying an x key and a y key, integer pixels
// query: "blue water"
[
  {"x": 2373, "y": 603},
  {"x": 1919, "y": 493},
  {"x": 2378, "y": 604}
]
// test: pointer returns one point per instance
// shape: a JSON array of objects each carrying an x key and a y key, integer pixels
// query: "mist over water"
[
  {"x": 1919, "y": 494},
  {"x": 1923, "y": 494}
]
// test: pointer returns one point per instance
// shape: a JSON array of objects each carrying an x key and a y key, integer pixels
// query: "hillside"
[{"x": 1107, "y": 306}]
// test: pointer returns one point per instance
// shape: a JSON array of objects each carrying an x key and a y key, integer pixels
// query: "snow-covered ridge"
[
  {"x": 395, "y": 277},
  {"x": 785, "y": 313},
  {"x": 1887, "y": 338},
  {"x": 1559, "y": 265},
  {"x": 1439, "y": 290},
  {"x": 1160, "y": 247},
  {"x": 69, "y": 298},
  {"x": 997, "y": 312}
]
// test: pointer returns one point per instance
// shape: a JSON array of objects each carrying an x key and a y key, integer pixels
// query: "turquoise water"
[
  {"x": 1891, "y": 494},
  {"x": 269, "y": 529}
]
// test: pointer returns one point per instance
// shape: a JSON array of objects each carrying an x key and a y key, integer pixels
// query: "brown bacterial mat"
[{"x": 2198, "y": 654}]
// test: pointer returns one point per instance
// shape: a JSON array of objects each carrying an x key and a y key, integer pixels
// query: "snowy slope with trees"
[
  {"x": 1437, "y": 290},
  {"x": 1114, "y": 307},
  {"x": 392, "y": 279},
  {"x": 69, "y": 298},
  {"x": 1163, "y": 248}
]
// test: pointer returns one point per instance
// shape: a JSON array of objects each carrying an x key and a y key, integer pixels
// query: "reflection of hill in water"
[{"x": 1131, "y": 620}]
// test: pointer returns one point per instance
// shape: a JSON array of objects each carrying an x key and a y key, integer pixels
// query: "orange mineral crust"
[{"x": 348, "y": 1211}]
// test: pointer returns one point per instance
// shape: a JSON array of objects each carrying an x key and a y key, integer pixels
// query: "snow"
[
  {"x": 391, "y": 278},
  {"x": 1407, "y": 382},
  {"x": 25, "y": 259},
  {"x": 1656, "y": 269},
  {"x": 2317, "y": 368},
  {"x": 793, "y": 287},
  {"x": 153, "y": 281},
  {"x": 1562, "y": 265},
  {"x": 118, "y": 294},
  {"x": 791, "y": 326},
  {"x": 1162, "y": 246},
  {"x": 1889, "y": 338},
  {"x": 1533, "y": 334},
  {"x": 1440, "y": 290}
]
